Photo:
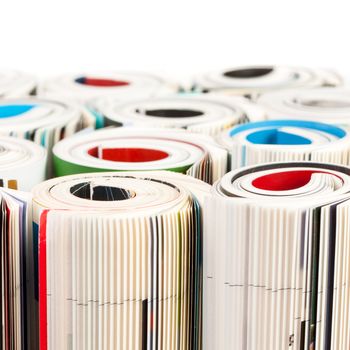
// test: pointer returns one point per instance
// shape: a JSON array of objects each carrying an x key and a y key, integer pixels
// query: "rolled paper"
[
  {"x": 324, "y": 105},
  {"x": 43, "y": 121},
  {"x": 120, "y": 260},
  {"x": 122, "y": 85},
  {"x": 22, "y": 163},
  {"x": 277, "y": 274},
  {"x": 19, "y": 328},
  {"x": 141, "y": 149},
  {"x": 200, "y": 113},
  {"x": 286, "y": 140},
  {"x": 14, "y": 84},
  {"x": 251, "y": 81}
]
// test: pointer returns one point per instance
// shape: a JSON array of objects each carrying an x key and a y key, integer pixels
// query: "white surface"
[{"x": 176, "y": 37}]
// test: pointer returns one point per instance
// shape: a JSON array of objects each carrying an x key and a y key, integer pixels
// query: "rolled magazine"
[
  {"x": 200, "y": 113},
  {"x": 251, "y": 81},
  {"x": 16, "y": 84},
  {"x": 330, "y": 105},
  {"x": 120, "y": 260},
  {"x": 141, "y": 149},
  {"x": 22, "y": 163},
  {"x": 122, "y": 85},
  {"x": 276, "y": 276},
  {"x": 286, "y": 140}
]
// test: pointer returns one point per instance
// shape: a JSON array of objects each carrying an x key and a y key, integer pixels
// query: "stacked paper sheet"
[
  {"x": 120, "y": 261},
  {"x": 286, "y": 140},
  {"x": 122, "y": 85},
  {"x": 22, "y": 163},
  {"x": 276, "y": 258},
  {"x": 324, "y": 104},
  {"x": 206, "y": 114},
  {"x": 254, "y": 80},
  {"x": 142, "y": 149},
  {"x": 16, "y": 84}
]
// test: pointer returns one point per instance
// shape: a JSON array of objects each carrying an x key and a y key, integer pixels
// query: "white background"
[{"x": 180, "y": 38}]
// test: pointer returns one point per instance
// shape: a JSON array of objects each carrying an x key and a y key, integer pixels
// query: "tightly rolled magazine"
[
  {"x": 18, "y": 330},
  {"x": 277, "y": 276},
  {"x": 120, "y": 261},
  {"x": 195, "y": 112},
  {"x": 22, "y": 163},
  {"x": 123, "y": 85},
  {"x": 286, "y": 140},
  {"x": 254, "y": 80},
  {"x": 141, "y": 149},
  {"x": 323, "y": 104},
  {"x": 43, "y": 121},
  {"x": 16, "y": 84}
]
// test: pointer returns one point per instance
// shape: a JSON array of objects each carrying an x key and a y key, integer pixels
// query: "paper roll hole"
[
  {"x": 322, "y": 103},
  {"x": 100, "y": 82},
  {"x": 171, "y": 113},
  {"x": 246, "y": 73},
  {"x": 128, "y": 155},
  {"x": 8, "y": 111},
  {"x": 86, "y": 190},
  {"x": 285, "y": 181},
  {"x": 276, "y": 137}
]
